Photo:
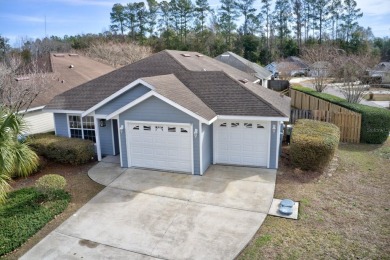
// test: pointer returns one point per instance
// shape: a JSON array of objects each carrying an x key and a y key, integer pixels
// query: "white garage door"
[
  {"x": 241, "y": 142},
  {"x": 160, "y": 146}
]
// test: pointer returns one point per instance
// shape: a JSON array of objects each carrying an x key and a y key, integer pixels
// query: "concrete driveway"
[{"x": 145, "y": 214}]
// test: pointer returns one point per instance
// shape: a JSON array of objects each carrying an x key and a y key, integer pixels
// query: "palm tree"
[{"x": 16, "y": 158}]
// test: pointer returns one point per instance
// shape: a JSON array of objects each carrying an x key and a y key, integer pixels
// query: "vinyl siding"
[
  {"x": 122, "y": 100},
  {"x": 274, "y": 148},
  {"x": 106, "y": 138},
  {"x": 61, "y": 124},
  {"x": 156, "y": 110},
  {"x": 207, "y": 146},
  {"x": 39, "y": 122}
]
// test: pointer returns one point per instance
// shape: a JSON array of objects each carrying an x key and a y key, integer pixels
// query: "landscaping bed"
[
  {"x": 80, "y": 187},
  {"x": 25, "y": 212},
  {"x": 344, "y": 211}
]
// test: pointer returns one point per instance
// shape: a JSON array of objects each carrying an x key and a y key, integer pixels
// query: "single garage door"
[
  {"x": 160, "y": 146},
  {"x": 241, "y": 142}
]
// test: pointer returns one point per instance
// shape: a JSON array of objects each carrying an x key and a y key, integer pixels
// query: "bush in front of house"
[
  {"x": 62, "y": 149},
  {"x": 50, "y": 184},
  {"x": 375, "y": 125},
  {"x": 313, "y": 144}
]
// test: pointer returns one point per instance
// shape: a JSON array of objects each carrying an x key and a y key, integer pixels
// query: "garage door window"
[
  {"x": 147, "y": 127},
  {"x": 235, "y": 124},
  {"x": 260, "y": 126},
  {"x": 184, "y": 130},
  {"x": 248, "y": 125},
  {"x": 171, "y": 129}
]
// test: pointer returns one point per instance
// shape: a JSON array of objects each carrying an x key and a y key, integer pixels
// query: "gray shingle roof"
[
  {"x": 244, "y": 65},
  {"x": 172, "y": 88},
  {"x": 199, "y": 62},
  {"x": 217, "y": 89}
]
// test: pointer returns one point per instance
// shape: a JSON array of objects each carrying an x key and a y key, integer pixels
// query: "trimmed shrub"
[
  {"x": 375, "y": 126},
  {"x": 50, "y": 184},
  {"x": 313, "y": 144},
  {"x": 62, "y": 149}
]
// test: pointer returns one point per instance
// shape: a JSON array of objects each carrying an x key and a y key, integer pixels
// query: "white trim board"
[
  {"x": 166, "y": 100},
  {"x": 254, "y": 118},
  {"x": 30, "y": 110},
  {"x": 117, "y": 94},
  {"x": 62, "y": 111}
]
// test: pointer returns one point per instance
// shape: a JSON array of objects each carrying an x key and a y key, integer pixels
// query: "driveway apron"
[{"x": 145, "y": 214}]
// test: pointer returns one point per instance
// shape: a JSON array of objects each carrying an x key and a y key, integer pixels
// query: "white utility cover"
[
  {"x": 159, "y": 146},
  {"x": 241, "y": 142}
]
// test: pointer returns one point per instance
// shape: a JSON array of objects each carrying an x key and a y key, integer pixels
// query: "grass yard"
[
  {"x": 344, "y": 213},
  {"x": 79, "y": 186}
]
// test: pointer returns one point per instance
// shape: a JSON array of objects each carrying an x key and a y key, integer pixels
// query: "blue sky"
[{"x": 21, "y": 18}]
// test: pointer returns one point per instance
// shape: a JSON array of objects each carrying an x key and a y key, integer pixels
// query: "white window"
[{"x": 84, "y": 129}]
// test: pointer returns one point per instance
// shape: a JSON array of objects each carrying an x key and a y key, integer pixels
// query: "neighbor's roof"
[
  {"x": 216, "y": 90},
  {"x": 200, "y": 62},
  {"x": 65, "y": 78},
  {"x": 289, "y": 63},
  {"x": 243, "y": 64},
  {"x": 383, "y": 66}
]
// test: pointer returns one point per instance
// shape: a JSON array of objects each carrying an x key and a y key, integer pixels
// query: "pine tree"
[
  {"x": 118, "y": 18},
  {"x": 266, "y": 10},
  {"x": 228, "y": 14},
  {"x": 297, "y": 8},
  {"x": 202, "y": 9},
  {"x": 152, "y": 15},
  {"x": 281, "y": 18},
  {"x": 247, "y": 10},
  {"x": 349, "y": 17}
]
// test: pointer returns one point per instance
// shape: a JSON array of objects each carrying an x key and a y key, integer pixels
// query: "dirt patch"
[
  {"x": 80, "y": 186},
  {"x": 343, "y": 213}
]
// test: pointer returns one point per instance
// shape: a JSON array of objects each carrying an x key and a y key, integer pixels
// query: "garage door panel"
[
  {"x": 241, "y": 142},
  {"x": 160, "y": 146}
]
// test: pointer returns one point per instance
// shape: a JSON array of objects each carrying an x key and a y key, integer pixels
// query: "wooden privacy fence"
[{"x": 310, "y": 107}]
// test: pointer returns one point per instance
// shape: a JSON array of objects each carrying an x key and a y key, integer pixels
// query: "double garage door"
[
  {"x": 159, "y": 146},
  {"x": 241, "y": 142}
]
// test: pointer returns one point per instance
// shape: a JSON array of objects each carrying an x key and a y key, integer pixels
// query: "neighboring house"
[
  {"x": 175, "y": 111},
  {"x": 319, "y": 69},
  {"x": 69, "y": 71},
  {"x": 238, "y": 62},
  {"x": 381, "y": 72},
  {"x": 290, "y": 66}
]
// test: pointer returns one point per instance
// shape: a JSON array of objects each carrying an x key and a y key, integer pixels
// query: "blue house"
[{"x": 175, "y": 111}]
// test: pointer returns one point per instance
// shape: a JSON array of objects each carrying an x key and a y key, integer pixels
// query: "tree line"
[{"x": 260, "y": 34}]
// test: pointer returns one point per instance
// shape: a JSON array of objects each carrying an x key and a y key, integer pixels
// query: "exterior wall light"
[
  {"x": 121, "y": 129},
  {"x": 102, "y": 122},
  {"x": 273, "y": 128},
  {"x": 195, "y": 132}
]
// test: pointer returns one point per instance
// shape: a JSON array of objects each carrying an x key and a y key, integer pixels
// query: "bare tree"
[
  {"x": 21, "y": 83},
  {"x": 349, "y": 71},
  {"x": 117, "y": 54},
  {"x": 320, "y": 59}
]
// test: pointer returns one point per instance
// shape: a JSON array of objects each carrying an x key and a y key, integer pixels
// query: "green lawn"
[
  {"x": 343, "y": 214},
  {"x": 25, "y": 212}
]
